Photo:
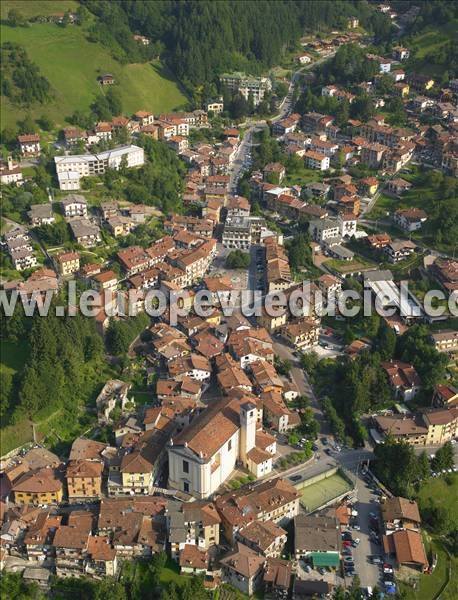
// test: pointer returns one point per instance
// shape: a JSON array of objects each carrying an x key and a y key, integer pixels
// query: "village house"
[
  {"x": 264, "y": 537},
  {"x": 410, "y": 219},
  {"x": 29, "y": 144},
  {"x": 315, "y": 160},
  {"x": 243, "y": 568},
  {"x": 41, "y": 214},
  {"x": 397, "y": 250},
  {"x": 270, "y": 500},
  {"x": 400, "y": 513},
  {"x": 67, "y": 263},
  {"x": 74, "y": 205},
  {"x": 192, "y": 523},
  {"x": 85, "y": 232},
  {"x": 407, "y": 548},
  {"x": 106, "y": 79},
  {"x": 40, "y": 486},
  {"x": 84, "y": 479},
  {"x": 302, "y": 334},
  {"x": 403, "y": 379},
  {"x": 445, "y": 340}
]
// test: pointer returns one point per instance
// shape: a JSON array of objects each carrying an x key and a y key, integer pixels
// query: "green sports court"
[{"x": 321, "y": 492}]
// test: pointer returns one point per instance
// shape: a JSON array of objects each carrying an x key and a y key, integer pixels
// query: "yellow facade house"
[{"x": 41, "y": 486}]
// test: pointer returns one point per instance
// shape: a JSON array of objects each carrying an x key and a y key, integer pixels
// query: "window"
[
  {"x": 229, "y": 445},
  {"x": 185, "y": 486},
  {"x": 185, "y": 466}
]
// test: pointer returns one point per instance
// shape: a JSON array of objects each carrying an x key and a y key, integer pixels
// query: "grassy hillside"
[
  {"x": 424, "y": 47},
  {"x": 36, "y": 8},
  {"x": 71, "y": 64}
]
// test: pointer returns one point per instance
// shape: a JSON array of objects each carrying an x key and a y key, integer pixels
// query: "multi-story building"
[
  {"x": 84, "y": 479},
  {"x": 74, "y": 205},
  {"x": 40, "y": 486},
  {"x": 323, "y": 230},
  {"x": 250, "y": 87},
  {"x": 29, "y": 144},
  {"x": 274, "y": 500},
  {"x": 71, "y": 168},
  {"x": 196, "y": 523},
  {"x": 315, "y": 160},
  {"x": 302, "y": 334},
  {"x": 445, "y": 341},
  {"x": 68, "y": 262}
]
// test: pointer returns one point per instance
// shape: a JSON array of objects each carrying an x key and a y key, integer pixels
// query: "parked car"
[{"x": 295, "y": 477}]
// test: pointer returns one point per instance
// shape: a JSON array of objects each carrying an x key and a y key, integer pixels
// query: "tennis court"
[{"x": 322, "y": 492}]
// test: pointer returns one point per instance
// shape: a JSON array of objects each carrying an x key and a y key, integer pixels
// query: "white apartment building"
[
  {"x": 70, "y": 169},
  {"x": 256, "y": 87},
  {"x": 315, "y": 160},
  {"x": 322, "y": 230},
  {"x": 74, "y": 205},
  {"x": 347, "y": 223}
]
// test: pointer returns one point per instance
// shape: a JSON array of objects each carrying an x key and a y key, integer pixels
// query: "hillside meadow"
[{"x": 72, "y": 64}]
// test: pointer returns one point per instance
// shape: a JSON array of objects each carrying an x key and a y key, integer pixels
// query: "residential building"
[
  {"x": 315, "y": 160},
  {"x": 41, "y": 214},
  {"x": 39, "y": 486},
  {"x": 70, "y": 169},
  {"x": 85, "y": 232},
  {"x": 302, "y": 334},
  {"x": 397, "y": 250},
  {"x": 67, "y": 263},
  {"x": 400, "y": 513},
  {"x": 29, "y": 144},
  {"x": 192, "y": 523},
  {"x": 403, "y": 379},
  {"x": 250, "y": 87},
  {"x": 323, "y": 230},
  {"x": 318, "y": 538},
  {"x": 243, "y": 568},
  {"x": 445, "y": 340},
  {"x": 264, "y": 537},
  {"x": 84, "y": 479},
  {"x": 74, "y": 205},
  {"x": 270, "y": 500},
  {"x": 410, "y": 219},
  {"x": 215, "y": 107},
  {"x": 101, "y": 557}
]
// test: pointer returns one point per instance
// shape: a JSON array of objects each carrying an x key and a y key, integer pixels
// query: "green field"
[
  {"x": 36, "y": 8},
  {"x": 426, "y": 44},
  {"x": 428, "y": 586},
  {"x": 321, "y": 492},
  {"x": 72, "y": 64}
]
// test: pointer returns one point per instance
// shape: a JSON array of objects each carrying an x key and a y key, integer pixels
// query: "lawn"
[
  {"x": 301, "y": 176},
  {"x": 428, "y": 586},
  {"x": 349, "y": 266},
  {"x": 37, "y": 8},
  {"x": 72, "y": 64}
]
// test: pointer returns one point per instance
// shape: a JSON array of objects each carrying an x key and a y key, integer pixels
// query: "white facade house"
[
  {"x": 347, "y": 223},
  {"x": 322, "y": 230},
  {"x": 88, "y": 165}
]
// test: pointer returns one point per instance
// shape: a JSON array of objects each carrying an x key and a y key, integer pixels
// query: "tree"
[
  {"x": 385, "y": 342},
  {"x": 397, "y": 466},
  {"x": 444, "y": 458},
  {"x": 424, "y": 468},
  {"x": 16, "y": 18},
  {"x": 45, "y": 123},
  {"x": 236, "y": 259},
  {"x": 114, "y": 101}
]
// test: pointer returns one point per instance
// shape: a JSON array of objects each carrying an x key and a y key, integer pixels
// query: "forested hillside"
[{"x": 199, "y": 40}]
